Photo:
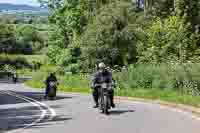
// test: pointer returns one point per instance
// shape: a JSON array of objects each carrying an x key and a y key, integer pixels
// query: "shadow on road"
[
  {"x": 6, "y": 81},
  {"x": 39, "y": 96},
  {"x": 15, "y": 118},
  {"x": 15, "y": 113},
  {"x": 46, "y": 123},
  {"x": 119, "y": 112}
]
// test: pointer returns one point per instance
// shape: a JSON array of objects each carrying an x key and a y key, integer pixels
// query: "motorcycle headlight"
[{"x": 104, "y": 85}]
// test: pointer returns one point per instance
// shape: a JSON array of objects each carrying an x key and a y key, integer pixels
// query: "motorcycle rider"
[
  {"x": 51, "y": 77},
  {"x": 15, "y": 77},
  {"x": 102, "y": 75}
]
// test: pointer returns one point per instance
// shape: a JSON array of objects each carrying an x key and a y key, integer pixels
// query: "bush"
[
  {"x": 168, "y": 39},
  {"x": 183, "y": 78},
  {"x": 64, "y": 59},
  {"x": 74, "y": 68},
  {"x": 68, "y": 56},
  {"x": 71, "y": 68},
  {"x": 53, "y": 53}
]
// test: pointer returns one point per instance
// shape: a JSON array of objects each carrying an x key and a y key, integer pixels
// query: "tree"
[
  {"x": 70, "y": 17},
  {"x": 111, "y": 37},
  {"x": 188, "y": 9},
  {"x": 168, "y": 40},
  {"x": 163, "y": 9},
  {"x": 7, "y": 38},
  {"x": 28, "y": 35}
]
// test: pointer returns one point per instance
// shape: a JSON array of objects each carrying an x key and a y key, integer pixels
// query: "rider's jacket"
[
  {"x": 102, "y": 77},
  {"x": 50, "y": 78}
]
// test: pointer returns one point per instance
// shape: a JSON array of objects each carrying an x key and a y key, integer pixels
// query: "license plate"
[{"x": 52, "y": 83}]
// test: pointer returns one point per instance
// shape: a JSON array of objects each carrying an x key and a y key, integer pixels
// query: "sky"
[{"x": 27, "y": 2}]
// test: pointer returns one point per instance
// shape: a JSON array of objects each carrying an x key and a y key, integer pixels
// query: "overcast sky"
[{"x": 27, "y": 2}]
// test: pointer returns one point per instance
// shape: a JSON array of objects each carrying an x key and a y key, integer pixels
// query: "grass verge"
[{"x": 152, "y": 94}]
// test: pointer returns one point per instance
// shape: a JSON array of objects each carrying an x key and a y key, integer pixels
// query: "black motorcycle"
[
  {"x": 104, "y": 98},
  {"x": 52, "y": 90}
]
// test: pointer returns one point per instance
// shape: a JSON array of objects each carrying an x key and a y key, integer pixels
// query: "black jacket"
[
  {"x": 51, "y": 78},
  {"x": 101, "y": 77}
]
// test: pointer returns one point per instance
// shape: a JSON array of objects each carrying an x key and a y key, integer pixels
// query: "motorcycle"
[
  {"x": 52, "y": 90},
  {"x": 104, "y": 98}
]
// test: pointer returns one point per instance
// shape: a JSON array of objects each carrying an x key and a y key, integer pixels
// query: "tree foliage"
[
  {"x": 9, "y": 43},
  {"x": 111, "y": 36},
  {"x": 117, "y": 33},
  {"x": 168, "y": 40},
  {"x": 28, "y": 35},
  {"x": 70, "y": 18}
]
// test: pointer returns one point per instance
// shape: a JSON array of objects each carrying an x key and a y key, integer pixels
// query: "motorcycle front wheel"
[{"x": 105, "y": 108}]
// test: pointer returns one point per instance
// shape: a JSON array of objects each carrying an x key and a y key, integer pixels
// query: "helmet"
[
  {"x": 101, "y": 65},
  {"x": 52, "y": 74}
]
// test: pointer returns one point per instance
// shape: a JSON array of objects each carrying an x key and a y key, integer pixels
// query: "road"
[{"x": 23, "y": 110}]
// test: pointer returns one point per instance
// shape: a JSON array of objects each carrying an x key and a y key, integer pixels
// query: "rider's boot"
[
  {"x": 112, "y": 99},
  {"x": 96, "y": 102},
  {"x": 96, "y": 106},
  {"x": 112, "y": 104}
]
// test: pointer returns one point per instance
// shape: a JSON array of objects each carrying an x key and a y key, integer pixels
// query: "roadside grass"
[
  {"x": 163, "y": 95},
  {"x": 144, "y": 81},
  {"x": 24, "y": 72},
  {"x": 29, "y": 58},
  {"x": 71, "y": 84}
]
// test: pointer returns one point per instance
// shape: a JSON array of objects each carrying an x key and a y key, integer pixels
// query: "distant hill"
[{"x": 12, "y": 7}]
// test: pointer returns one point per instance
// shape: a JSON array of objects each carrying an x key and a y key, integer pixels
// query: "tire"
[
  {"x": 51, "y": 98},
  {"x": 105, "y": 108},
  {"x": 52, "y": 94}
]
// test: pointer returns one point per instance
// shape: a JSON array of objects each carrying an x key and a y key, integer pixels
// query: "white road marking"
[
  {"x": 43, "y": 108},
  {"x": 16, "y": 106},
  {"x": 44, "y": 112},
  {"x": 53, "y": 113}
]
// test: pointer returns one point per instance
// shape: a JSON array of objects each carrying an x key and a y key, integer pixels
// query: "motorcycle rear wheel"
[
  {"x": 105, "y": 108},
  {"x": 52, "y": 94}
]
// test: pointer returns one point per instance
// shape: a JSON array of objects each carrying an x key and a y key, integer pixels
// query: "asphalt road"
[{"x": 23, "y": 110}]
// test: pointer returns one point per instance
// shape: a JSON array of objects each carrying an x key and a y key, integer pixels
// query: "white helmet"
[{"x": 101, "y": 65}]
